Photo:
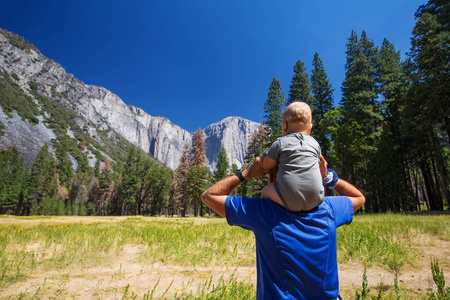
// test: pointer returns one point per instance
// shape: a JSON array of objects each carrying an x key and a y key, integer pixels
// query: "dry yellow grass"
[{"x": 113, "y": 257}]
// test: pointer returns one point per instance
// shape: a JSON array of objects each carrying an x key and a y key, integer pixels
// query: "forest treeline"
[{"x": 389, "y": 136}]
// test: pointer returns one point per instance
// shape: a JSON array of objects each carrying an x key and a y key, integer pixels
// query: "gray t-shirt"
[{"x": 299, "y": 182}]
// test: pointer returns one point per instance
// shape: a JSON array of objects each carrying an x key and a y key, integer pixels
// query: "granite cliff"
[{"x": 98, "y": 112}]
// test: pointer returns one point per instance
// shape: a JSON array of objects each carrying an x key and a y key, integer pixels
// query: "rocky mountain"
[
  {"x": 233, "y": 133},
  {"x": 42, "y": 103}
]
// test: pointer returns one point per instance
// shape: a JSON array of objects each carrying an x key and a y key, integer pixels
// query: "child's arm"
[{"x": 268, "y": 163}]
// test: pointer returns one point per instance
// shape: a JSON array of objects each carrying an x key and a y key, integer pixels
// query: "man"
[{"x": 295, "y": 251}]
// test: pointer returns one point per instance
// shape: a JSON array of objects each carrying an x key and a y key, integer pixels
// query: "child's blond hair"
[{"x": 298, "y": 112}]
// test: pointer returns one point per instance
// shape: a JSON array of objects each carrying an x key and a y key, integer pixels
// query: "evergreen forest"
[{"x": 389, "y": 135}]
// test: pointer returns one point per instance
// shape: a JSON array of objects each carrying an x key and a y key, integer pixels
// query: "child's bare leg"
[{"x": 269, "y": 192}]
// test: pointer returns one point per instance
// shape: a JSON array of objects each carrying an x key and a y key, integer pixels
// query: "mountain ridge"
[{"x": 100, "y": 114}]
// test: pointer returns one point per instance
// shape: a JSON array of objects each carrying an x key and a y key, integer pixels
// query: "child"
[{"x": 298, "y": 186}]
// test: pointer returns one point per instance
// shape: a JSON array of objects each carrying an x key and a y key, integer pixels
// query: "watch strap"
[{"x": 239, "y": 175}]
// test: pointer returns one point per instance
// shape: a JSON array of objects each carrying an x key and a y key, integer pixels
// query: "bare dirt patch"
[
  {"x": 127, "y": 275},
  {"x": 110, "y": 280}
]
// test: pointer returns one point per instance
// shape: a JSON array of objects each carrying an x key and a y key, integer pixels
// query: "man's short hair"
[{"x": 298, "y": 112}]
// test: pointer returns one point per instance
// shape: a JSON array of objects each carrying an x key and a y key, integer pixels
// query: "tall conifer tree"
[
  {"x": 179, "y": 186},
  {"x": 323, "y": 101},
  {"x": 13, "y": 181},
  {"x": 157, "y": 188},
  {"x": 222, "y": 167},
  {"x": 256, "y": 146},
  {"x": 359, "y": 90},
  {"x": 125, "y": 201},
  {"x": 273, "y": 109},
  {"x": 387, "y": 169},
  {"x": 428, "y": 70},
  {"x": 105, "y": 189},
  {"x": 300, "y": 88},
  {"x": 361, "y": 110},
  {"x": 198, "y": 156},
  {"x": 63, "y": 165},
  {"x": 43, "y": 181},
  {"x": 257, "y": 143},
  {"x": 198, "y": 173}
]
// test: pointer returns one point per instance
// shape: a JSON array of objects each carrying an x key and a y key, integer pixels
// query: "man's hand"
[{"x": 343, "y": 187}]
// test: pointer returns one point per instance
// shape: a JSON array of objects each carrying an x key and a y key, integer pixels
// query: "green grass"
[
  {"x": 171, "y": 241},
  {"x": 31, "y": 244},
  {"x": 224, "y": 289},
  {"x": 380, "y": 239}
]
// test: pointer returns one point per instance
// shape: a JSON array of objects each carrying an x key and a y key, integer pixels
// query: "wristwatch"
[{"x": 239, "y": 174}]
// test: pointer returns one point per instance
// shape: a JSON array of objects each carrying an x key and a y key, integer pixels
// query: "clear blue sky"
[{"x": 199, "y": 61}]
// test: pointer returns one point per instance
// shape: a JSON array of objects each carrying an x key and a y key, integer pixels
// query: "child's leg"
[{"x": 269, "y": 192}]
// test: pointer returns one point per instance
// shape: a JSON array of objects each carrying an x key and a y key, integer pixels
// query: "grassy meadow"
[{"x": 198, "y": 258}]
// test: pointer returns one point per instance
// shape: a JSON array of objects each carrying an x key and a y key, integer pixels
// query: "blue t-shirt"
[{"x": 295, "y": 251}]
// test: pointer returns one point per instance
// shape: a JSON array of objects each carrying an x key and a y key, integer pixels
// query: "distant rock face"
[
  {"x": 26, "y": 137},
  {"x": 234, "y": 134},
  {"x": 99, "y": 109},
  {"x": 163, "y": 139}
]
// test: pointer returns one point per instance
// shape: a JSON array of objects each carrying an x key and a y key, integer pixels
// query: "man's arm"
[
  {"x": 343, "y": 188},
  {"x": 217, "y": 194}
]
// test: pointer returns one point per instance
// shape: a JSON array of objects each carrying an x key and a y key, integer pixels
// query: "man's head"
[{"x": 297, "y": 118}]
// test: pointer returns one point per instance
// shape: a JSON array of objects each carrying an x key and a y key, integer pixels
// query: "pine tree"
[
  {"x": 154, "y": 188},
  {"x": 385, "y": 175},
  {"x": 198, "y": 173},
  {"x": 222, "y": 167},
  {"x": 361, "y": 110},
  {"x": 323, "y": 101},
  {"x": 392, "y": 83},
  {"x": 97, "y": 168},
  {"x": 179, "y": 186},
  {"x": 351, "y": 83},
  {"x": 13, "y": 181},
  {"x": 347, "y": 144},
  {"x": 128, "y": 191},
  {"x": 63, "y": 165},
  {"x": 273, "y": 109},
  {"x": 78, "y": 195},
  {"x": 198, "y": 156},
  {"x": 92, "y": 194},
  {"x": 256, "y": 146},
  {"x": 105, "y": 189},
  {"x": 43, "y": 181},
  {"x": 75, "y": 194},
  {"x": 300, "y": 88},
  {"x": 83, "y": 168},
  {"x": 143, "y": 185},
  {"x": 428, "y": 109},
  {"x": 387, "y": 169},
  {"x": 157, "y": 188},
  {"x": 430, "y": 57},
  {"x": 359, "y": 90}
]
